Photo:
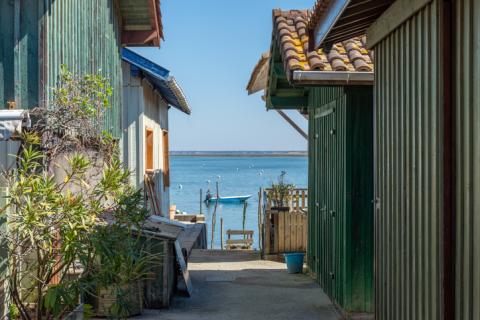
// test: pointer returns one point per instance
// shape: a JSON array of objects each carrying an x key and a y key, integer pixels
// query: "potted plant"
[{"x": 281, "y": 194}]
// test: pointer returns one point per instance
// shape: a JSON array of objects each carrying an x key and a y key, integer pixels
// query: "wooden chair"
[{"x": 245, "y": 243}]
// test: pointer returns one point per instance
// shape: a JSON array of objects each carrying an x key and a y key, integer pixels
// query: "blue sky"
[{"x": 211, "y": 47}]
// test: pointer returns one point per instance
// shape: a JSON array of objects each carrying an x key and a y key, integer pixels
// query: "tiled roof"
[{"x": 290, "y": 30}]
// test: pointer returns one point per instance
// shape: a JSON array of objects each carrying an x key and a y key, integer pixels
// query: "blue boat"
[{"x": 234, "y": 199}]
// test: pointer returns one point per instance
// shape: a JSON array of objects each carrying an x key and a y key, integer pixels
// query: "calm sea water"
[{"x": 236, "y": 176}]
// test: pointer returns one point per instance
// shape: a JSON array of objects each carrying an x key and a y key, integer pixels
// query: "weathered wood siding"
[{"x": 143, "y": 108}]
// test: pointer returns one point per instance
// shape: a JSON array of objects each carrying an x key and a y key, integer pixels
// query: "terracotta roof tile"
[{"x": 290, "y": 30}]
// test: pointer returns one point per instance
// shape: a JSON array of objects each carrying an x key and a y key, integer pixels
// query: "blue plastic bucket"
[{"x": 294, "y": 262}]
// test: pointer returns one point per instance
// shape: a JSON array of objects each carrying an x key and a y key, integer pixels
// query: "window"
[
  {"x": 166, "y": 160},
  {"x": 148, "y": 149}
]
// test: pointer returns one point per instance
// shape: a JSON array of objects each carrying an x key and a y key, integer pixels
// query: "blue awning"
[{"x": 160, "y": 78}]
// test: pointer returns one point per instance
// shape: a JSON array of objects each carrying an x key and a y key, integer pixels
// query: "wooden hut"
[
  {"x": 427, "y": 191},
  {"x": 149, "y": 92},
  {"x": 38, "y": 37},
  {"x": 334, "y": 88}
]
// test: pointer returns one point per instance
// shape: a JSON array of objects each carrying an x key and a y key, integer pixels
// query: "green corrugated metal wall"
[
  {"x": 467, "y": 105},
  {"x": 19, "y": 52},
  {"x": 340, "y": 246},
  {"x": 83, "y": 35},
  {"x": 409, "y": 170}
]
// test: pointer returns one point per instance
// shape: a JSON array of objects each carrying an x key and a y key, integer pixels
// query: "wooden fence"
[
  {"x": 299, "y": 199},
  {"x": 283, "y": 231}
]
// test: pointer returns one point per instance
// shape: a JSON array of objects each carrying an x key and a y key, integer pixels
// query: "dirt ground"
[{"x": 238, "y": 285}]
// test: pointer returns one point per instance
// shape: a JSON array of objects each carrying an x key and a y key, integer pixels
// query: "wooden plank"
[
  {"x": 297, "y": 232},
  {"x": 276, "y": 236},
  {"x": 305, "y": 232},
  {"x": 288, "y": 232},
  {"x": 239, "y": 241},
  {"x": 239, "y": 232},
  {"x": 267, "y": 226},
  {"x": 183, "y": 267},
  {"x": 166, "y": 261},
  {"x": 281, "y": 232}
]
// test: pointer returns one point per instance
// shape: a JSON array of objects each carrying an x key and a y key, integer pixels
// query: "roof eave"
[
  {"x": 151, "y": 36},
  {"x": 345, "y": 78},
  {"x": 183, "y": 104}
]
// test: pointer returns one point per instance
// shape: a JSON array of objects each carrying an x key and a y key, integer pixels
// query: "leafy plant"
[
  {"x": 72, "y": 217},
  {"x": 281, "y": 192}
]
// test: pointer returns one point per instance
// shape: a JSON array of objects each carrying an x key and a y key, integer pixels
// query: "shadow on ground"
[{"x": 238, "y": 285}]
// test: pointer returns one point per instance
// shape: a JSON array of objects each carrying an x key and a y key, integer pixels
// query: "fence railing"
[{"x": 298, "y": 199}]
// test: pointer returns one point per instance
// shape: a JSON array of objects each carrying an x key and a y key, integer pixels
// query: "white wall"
[{"x": 143, "y": 108}]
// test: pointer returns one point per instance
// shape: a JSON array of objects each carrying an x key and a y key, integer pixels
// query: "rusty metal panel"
[
  {"x": 467, "y": 106},
  {"x": 409, "y": 172}
]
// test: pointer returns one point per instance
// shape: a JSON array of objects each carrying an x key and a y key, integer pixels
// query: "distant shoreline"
[{"x": 239, "y": 153}]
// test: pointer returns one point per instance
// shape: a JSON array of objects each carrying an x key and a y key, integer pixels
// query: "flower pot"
[{"x": 107, "y": 297}]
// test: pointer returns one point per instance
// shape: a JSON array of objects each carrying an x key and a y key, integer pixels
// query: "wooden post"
[
  {"x": 244, "y": 218},
  {"x": 260, "y": 227},
  {"x": 201, "y": 201},
  {"x": 221, "y": 233},
  {"x": 214, "y": 218}
]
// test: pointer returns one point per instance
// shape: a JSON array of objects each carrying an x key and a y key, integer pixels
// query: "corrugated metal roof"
[
  {"x": 333, "y": 21},
  {"x": 160, "y": 78}
]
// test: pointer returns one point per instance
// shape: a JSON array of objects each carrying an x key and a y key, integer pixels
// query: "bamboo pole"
[{"x": 221, "y": 233}]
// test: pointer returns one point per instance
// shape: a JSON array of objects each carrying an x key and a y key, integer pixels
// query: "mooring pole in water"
[
  {"x": 260, "y": 224},
  {"x": 214, "y": 218},
  {"x": 201, "y": 200},
  {"x": 221, "y": 233},
  {"x": 244, "y": 219}
]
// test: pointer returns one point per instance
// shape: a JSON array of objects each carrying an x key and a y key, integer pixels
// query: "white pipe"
[
  {"x": 13, "y": 114},
  {"x": 327, "y": 77}
]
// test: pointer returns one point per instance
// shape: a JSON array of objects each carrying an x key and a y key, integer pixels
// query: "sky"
[{"x": 211, "y": 47}]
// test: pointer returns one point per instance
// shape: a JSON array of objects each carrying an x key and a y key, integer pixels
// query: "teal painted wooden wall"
[
  {"x": 340, "y": 246},
  {"x": 37, "y": 37}
]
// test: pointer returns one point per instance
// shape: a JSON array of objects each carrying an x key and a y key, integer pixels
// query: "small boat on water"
[{"x": 234, "y": 199}]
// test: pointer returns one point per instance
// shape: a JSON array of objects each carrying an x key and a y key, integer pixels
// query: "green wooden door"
[{"x": 341, "y": 191}]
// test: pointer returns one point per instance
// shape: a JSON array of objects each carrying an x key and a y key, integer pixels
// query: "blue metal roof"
[{"x": 160, "y": 78}]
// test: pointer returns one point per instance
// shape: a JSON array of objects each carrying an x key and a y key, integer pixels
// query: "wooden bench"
[{"x": 245, "y": 243}]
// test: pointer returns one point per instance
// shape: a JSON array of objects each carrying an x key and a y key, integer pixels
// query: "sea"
[{"x": 236, "y": 175}]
